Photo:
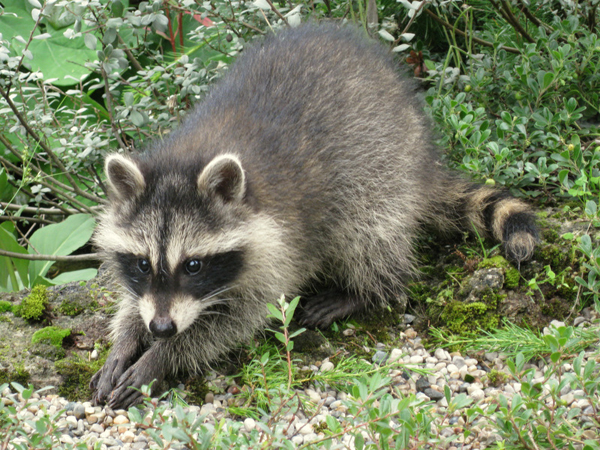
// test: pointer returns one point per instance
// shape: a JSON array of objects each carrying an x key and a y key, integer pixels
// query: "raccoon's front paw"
[
  {"x": 127, "y": 393},
  {"x": 321, "y": 310},
  {"x": 103, "y": 382}
]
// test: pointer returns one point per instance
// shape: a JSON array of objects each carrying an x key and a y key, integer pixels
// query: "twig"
[
  {"x": 46, "y": 148},
  {"x": 73, "y": 200},
  {"x": 69, "y": 258},
  {"x": 531, "y": 17},
  {"x": 504, "y": 8},
  {"x": 27, "y": 219},
  {"x": 276, "y": 11},
  {"x": 465, "y": 35},
  {"x": 36, "y": 210},
  {"x": 412, "y": 19},
  {"x": 109, "y": 108}
]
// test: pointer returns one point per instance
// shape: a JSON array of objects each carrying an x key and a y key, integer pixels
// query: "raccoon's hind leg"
[{"x": 322, "y": 309}]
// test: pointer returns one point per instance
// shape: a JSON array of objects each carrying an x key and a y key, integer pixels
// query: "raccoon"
[{"x": 309, "y": 169}]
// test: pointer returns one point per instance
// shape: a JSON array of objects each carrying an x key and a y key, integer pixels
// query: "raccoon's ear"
[
  {"x": 124, "y": 177},
  {"x": 223, "y": 176}
]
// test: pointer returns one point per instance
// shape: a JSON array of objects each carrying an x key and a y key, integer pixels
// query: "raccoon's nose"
[{"x": 163, "y": 327}]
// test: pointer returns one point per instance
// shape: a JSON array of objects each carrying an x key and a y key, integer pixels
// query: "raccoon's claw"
[
  {"x": 127, "y": 390},
  {"x": 104, "y": 380},
  {"x": 321, "y": 310}
]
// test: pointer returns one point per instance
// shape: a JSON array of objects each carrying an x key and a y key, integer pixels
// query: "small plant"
[
  {"x": 537, "y": 417},
  {"x": 285, "y": 314},
  {"x": 34, "y": 305},
  {"x": 512, "y": 340},
  {"x": 40, "y": 432}
]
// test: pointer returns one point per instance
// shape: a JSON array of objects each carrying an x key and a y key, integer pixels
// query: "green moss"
[
  {"x": 551, "y": 236},
  {"x": 196, "y": 390},
  {"x": 77, "y": 373},
  {"x": 511, "y": 278},
  {"x": 466, "y": 318},
  {"x": 556, "y": 308},
  {"x": 54, "y": 335},
  {"x": 70, "y": 308},
  {"x": 19, "y": 374},
  {"x": 34, "y": 305},
  {"x": 5, "y": 306},
  {"x": 496, "y": 378},
  {"x": 495, "y": 261},
  {"x": 542, "y": 214}
]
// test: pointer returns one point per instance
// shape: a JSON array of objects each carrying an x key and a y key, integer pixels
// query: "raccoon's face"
[{"x": 175, "y": 240}]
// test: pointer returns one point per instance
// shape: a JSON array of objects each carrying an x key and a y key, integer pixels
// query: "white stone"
[
  {"x": 416, "y": 359},
  {"x": 305, "y": 429},
  {"x": 310, "y": 438},
  {"x": 312, "y": 394},
  {"x": 249, "y": 424},
  {"x": 477, "y": 394},
  {"x": 327, "y": 366},
  {"x": 395, "y": 355},
  {"x": 97, "y": 428},
  {"x": 128, "y": 437},
  {"x": 120, "y": 420}
]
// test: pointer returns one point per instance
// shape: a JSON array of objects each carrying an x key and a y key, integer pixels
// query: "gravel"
[{"x": 84, "y": 422}]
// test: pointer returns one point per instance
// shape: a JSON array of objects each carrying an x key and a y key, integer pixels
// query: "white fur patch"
[
  {"x": 184, "y": 311},
  {"x": 147, "y": 309}
]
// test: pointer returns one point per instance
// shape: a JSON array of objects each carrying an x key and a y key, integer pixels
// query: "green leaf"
[
  {"x": 591, "y": 208},
  {"x": 274, "y": 312},
  {"x": 56, "y": 57},
  {"x": 3, "y": 183},
  {"x": 14, "y": 274},
  {"x": 59, "y": 239},
  {"x": 75, "y": 275},
  {"x": 289, "y": 313}
]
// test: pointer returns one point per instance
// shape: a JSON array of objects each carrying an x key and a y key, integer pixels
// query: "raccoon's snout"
[{"x": 163, "y": 327}]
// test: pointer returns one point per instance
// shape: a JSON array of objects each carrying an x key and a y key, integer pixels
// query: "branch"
[
  {"x": 465, "y": 35},
  {"x": 508, "y": 15},
  {"x": 109, "y": 108},
  {"x": 73, "y": 200},
  {"x": 276, "y": 11},
  {"x": 27, "y": 219},
  {"x": 46, "y": 149},
  {"x": 39, "y": 211},
  {"x": 70, "y": 258}
]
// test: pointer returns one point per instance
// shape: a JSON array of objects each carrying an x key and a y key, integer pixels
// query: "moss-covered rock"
[
  {"x": 5, "y": 306},
  {"x": 53, "y": 336},
  {"x": 34, "y": 306},
  {"x": 467, "y": 317}
]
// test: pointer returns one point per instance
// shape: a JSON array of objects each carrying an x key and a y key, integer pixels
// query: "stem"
[
  {"x": 276, "y": 11},
  {"x": 69, "y": 258},
  {"x": 46, "y": 148},
  {"x": 463, "y": 34},
  {"x": 109, "y": 108}
]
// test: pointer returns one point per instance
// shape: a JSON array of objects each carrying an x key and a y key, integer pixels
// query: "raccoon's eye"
[
  {"x": 193, "y": 266},
  {"x": 143, "y": 265}
]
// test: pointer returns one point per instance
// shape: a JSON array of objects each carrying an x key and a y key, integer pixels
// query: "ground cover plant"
[{"x": 513, "y": 89}]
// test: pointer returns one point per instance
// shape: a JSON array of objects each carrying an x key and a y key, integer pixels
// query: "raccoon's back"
[{"x": 317, "y": 115}]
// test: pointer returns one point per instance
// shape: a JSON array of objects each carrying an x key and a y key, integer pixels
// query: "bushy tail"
[{"x": 492, "y": 212}]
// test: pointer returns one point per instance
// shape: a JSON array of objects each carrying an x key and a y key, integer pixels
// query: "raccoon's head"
[{"x": 179, "y": 237}]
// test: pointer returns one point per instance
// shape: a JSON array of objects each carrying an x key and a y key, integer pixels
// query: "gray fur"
[{"x": 311, "y": 167}]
